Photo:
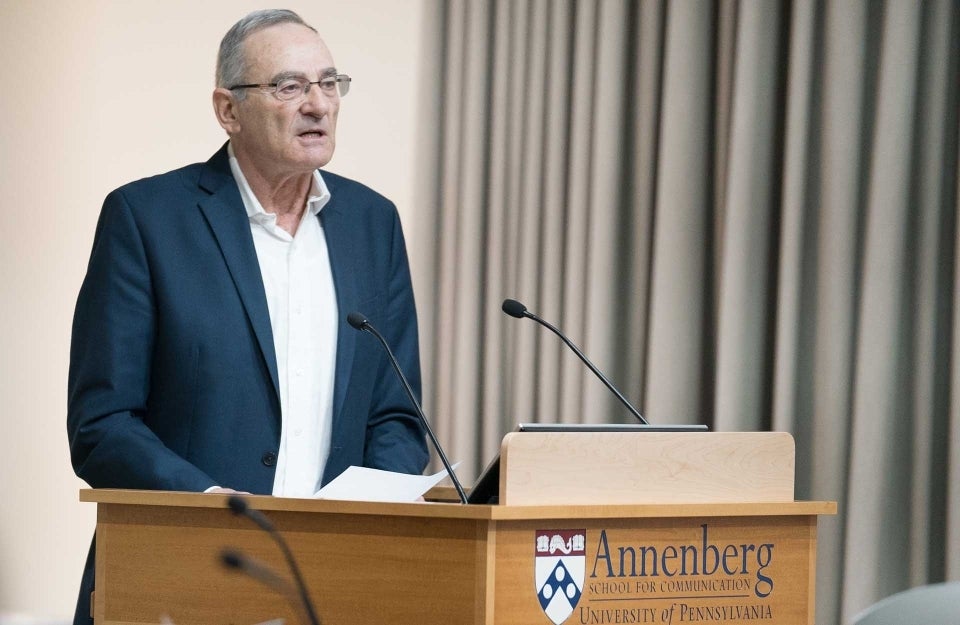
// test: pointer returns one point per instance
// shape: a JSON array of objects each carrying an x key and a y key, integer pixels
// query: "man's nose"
[{"x": 315, "y": 101}]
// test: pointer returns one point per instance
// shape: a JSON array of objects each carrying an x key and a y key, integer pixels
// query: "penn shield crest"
[{"x": 559, "y": 565}]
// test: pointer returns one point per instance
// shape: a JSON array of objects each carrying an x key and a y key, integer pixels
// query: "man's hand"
[{"x": 219, "y": 490}]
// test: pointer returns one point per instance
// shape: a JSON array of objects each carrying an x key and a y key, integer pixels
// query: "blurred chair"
[{"x": 936, "y": 604}]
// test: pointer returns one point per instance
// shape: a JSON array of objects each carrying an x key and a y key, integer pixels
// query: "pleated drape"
[{"x": 745, "y": 212}]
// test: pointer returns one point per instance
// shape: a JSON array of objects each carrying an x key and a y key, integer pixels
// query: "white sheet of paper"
[{"x": 363, "y": 484}]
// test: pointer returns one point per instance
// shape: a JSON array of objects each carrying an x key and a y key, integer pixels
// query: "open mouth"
[{"x": 313, "y": 134}]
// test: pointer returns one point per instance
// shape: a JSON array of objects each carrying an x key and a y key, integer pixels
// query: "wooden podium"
[{"x": 592, "y": 529}]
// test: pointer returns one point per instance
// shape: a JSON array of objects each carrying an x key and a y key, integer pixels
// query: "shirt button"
[
  {"x": 299, "y": 373},
  {"x": 269, "y": 458},
  {"x": 297, "y": 432}
]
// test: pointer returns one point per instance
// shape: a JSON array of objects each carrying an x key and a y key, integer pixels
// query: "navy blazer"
[{"x": 173, "y": 377}]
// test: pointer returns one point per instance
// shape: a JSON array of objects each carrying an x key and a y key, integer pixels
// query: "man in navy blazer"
[{"x": 174, "y": 378}]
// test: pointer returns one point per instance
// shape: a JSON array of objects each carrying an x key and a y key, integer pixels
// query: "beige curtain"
[{"x": 745, "y": 212}]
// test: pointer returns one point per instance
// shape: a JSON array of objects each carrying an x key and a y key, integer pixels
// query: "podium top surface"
[{"x": 456, "y": 510}]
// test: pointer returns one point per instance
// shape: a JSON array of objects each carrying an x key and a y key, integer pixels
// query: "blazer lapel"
[
  {"x": 343, "y": 265},
  {"x": 224, "y": 212}
]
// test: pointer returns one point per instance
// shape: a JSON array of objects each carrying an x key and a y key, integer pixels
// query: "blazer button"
[{"x": 269, "y": 459}]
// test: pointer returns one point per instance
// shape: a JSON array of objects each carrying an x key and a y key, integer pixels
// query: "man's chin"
[{"x": 317, "y": 157}]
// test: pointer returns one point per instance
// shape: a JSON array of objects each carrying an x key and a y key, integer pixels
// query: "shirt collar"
[{"x": 317, "y": 198}]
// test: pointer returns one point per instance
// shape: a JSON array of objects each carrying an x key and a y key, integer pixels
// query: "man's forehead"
[{"x": 287, "y": 48}]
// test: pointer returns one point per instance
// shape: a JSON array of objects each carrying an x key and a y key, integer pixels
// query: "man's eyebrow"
[
  {"x": 285, "y": 75},
  {"x": 324, "y": 73}
]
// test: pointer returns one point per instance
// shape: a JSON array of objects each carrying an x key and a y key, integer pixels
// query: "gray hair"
[{"x": 231, "y": 63}]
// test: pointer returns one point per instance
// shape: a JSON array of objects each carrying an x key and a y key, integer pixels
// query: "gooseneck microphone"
[
  {"x": 359, "y": 322},
  {"x": 239, "y": 507},
  {"x": 235, "y": 559},
  {"x": 515, "y": 309}
]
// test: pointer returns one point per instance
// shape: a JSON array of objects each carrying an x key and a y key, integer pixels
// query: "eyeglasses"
[{"x": 290, "y": 89}]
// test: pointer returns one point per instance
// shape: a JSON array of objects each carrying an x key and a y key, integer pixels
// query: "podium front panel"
[{"x": 156, "y": 563}]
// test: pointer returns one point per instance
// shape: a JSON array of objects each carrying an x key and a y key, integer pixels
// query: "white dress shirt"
[{"x": 302, "y": 302}]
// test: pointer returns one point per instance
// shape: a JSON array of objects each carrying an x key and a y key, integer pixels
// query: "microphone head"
[
  {"x": 357, "y": 320},
  {"x": 231, "y": 559},
  {"x": 514, "y": 308},
  {"x": 237, "y": 504}
]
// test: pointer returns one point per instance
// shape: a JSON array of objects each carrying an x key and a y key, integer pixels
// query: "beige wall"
[{"x": 94, "y": 93}]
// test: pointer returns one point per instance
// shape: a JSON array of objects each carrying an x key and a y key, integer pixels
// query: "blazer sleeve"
[
  {"x": 114, "y": 333},
  {"x": 395, "y": 440}
]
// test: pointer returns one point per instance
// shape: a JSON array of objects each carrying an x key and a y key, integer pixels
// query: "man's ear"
[{"x": 225, "y": 108}]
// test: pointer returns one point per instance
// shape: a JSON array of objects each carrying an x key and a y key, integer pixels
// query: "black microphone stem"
[
  {"x": 366, "y": 327},
  {"x": 521, "y": 310},
  {"x": 239, "y": 506},
  {"x": 301, "y": 585}
]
